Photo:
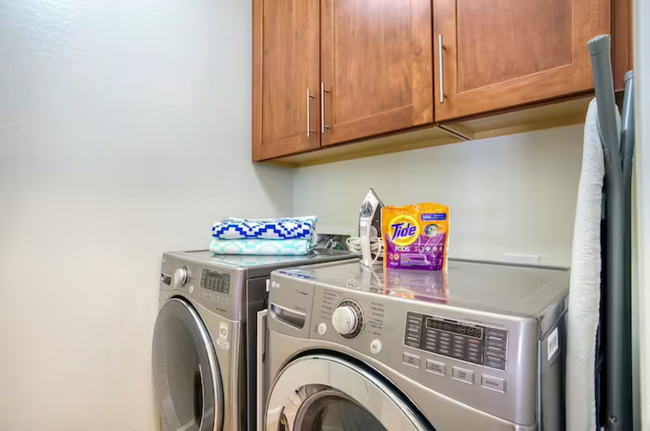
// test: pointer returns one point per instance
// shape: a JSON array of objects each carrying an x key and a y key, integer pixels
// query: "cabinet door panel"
[
  {"x": 376, "y": 67},
  {"x": 502, "y": 53},
  {"x": 286, "y": 56}
]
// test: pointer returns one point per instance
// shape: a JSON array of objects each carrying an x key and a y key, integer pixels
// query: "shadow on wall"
[{"x": 279, "y": 198}]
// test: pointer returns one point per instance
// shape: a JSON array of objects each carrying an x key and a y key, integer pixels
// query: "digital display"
[
  {"x": 217, "y": 281},
  {"x": 455, "y": 328}
]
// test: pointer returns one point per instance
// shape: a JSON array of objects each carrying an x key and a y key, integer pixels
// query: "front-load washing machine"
[
  {"x": 205, "y": 334},
  {"x": 476, "y": 348}
]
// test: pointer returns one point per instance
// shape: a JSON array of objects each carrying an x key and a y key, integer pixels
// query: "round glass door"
[
  {"x": 325, "y": 393},
  {"x": 186, "y": 374}
]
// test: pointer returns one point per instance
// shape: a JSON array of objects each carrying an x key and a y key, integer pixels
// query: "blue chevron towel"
[
  {"x": 278, "y": 228},
  {"x": 289, "y": 247}
]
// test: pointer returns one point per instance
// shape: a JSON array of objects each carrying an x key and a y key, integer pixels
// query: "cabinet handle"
[
  {"x": 323, "y": 126},
  {"x": 441, "y": 66},
  {"x": 309, "y": 97}
]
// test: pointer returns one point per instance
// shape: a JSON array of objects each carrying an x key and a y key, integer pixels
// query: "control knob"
[
  {"x": 181, "y": 276},
  {"x": 347, "y": 319}
]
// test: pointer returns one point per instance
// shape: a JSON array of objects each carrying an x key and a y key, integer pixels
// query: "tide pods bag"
[{"x": 416, "y": 236}]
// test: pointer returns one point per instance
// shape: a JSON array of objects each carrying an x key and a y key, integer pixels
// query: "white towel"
[{"x": 584, "y": 294}]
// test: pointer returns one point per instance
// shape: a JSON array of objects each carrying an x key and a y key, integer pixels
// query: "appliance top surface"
[
  {"x": 260, "y": 266},
  {"x": 491, "y": 287}
]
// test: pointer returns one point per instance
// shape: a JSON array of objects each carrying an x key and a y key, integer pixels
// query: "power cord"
[{"x": 376, "y": 246}]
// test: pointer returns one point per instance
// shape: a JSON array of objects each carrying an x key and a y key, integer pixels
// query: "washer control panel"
[
  {"x": 212, "y": 287},
  {"x": 466, "y": 342},
  {"x": 217, "y": 281}
]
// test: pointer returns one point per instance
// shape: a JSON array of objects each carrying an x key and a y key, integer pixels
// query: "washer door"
[
  {"x": 317, "y": 393},
  {"x": 186, "y": 373}
]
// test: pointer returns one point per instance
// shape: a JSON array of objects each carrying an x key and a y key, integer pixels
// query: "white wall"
[
  {"x": 508, "y": 195},
  {"x": 124, "y": 132}
]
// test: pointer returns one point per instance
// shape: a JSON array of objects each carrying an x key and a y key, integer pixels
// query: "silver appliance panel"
[
  {"x": 325, "y": 392},
  {"x": 488, "y": 287},
  {"x": 217, "y": 288},
  {"x": 217, "y": 282},
  {"x": 442, "y": 412},
  {"x": 260, "y": 266},
  {"x": 497, "y": 375}
]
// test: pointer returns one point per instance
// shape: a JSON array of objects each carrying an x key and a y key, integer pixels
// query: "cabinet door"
[
  {"x": 286, "y": 81},
  {"x": 497, "y": 54},
  {"x": 376, "y": 67}
]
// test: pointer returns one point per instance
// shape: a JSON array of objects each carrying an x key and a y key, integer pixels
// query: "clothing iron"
[{"x": 370, "y": 229}]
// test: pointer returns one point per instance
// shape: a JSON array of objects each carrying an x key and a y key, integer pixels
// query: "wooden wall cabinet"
[
  {"x": 342, "y": 69},
  {"x": 496, "y": 54},
  {"x": 335, "y": 72},
  {"x": 286, "y": 77},
  {"x": 376, "y": 67}
]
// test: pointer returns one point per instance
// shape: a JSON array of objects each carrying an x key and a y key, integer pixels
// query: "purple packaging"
[{"x": 416, "y": 236}]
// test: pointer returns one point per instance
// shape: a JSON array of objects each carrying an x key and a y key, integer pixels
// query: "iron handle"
[
  {"x": 309, "y": 97},
  {"x": 441, "y": 71},
  {"x": 261, "y": 352},
  {"x": 323, "y": 126}
]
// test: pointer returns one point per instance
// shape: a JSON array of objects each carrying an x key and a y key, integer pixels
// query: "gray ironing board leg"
[{"x": 616, "y": 316}]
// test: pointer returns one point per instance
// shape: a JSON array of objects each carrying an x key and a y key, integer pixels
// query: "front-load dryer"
[
  {"x": 204, "y": 351},
  {"x": 476, "y": 348}
]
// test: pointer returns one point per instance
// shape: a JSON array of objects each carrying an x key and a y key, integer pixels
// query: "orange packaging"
[{"x": 416, "y": 236}]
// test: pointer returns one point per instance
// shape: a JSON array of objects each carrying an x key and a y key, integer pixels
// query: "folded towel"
[
  {"x": 278, "y": 228},
  {"x": 289, "y": 247}
]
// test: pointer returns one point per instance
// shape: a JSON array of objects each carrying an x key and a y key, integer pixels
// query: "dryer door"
[
  {"x": 186, "y": 372},
  {"x": 322, "y": 392}
]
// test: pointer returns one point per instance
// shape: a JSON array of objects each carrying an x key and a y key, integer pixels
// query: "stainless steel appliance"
[
  {"x": 204, "y": 339},
  {"x": 478, "y": 348}
]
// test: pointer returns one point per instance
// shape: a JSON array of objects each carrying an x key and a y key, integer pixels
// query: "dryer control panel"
[{"x": 466, "y": 342}]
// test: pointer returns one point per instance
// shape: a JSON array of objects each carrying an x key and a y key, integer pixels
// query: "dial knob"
[
  {"x": 180, "y": 277},
  {"x": 347, "y": 319}
]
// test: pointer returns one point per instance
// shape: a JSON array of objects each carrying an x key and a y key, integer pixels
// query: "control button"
[
  {"x": 497, "y": 333},
  {"x": 375, "y": 346},
  {"x": 494, "y": 383},
  {"x": 436, "y": 367},
  {"x": 495, "y": 353},
  {"x": 322, "y": 328},
  {"x": 191, "y": 289},
  {"x": 463, "y": 375},
  {"x": 223, "y": 331},
  {"x": 412, "y": 360},
  {"x": 495, "y": 363},
  {"x": 412, "y": 343},
  {"x": 495, "y": 342}
]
